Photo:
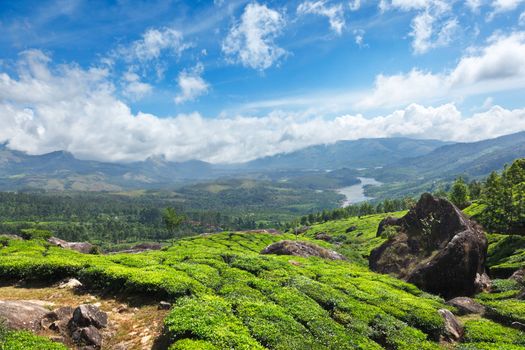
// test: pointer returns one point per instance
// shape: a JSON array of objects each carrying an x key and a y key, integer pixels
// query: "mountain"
[
  {"x": 362, "y": 153},
  {"x": 414, "y": 175},
  {"x": 60, "y": 170}
]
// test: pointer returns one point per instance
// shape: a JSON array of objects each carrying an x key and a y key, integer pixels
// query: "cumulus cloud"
[
  {"x": 191, "y": 85},
  {"x": 473, "y": 5},
  {"x": 251, "y": 41},
  {"x": 505, "y": 5},
  {"x": 133, "y": 88},
  {"x": 433, "y": 26},
  {"x": 497, "y": 66},
  {"x": 334, "y": 13},
  {"x": 153, "y": 42},
  {"x": 521, "y": 20},
  {"x": 45, "y": 107}
]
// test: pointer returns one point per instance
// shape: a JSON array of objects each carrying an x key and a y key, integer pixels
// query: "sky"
[{"x": 230, "y": 81}]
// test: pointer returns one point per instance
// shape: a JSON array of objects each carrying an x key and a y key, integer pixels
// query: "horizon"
[{"x": 229, "y": 82}]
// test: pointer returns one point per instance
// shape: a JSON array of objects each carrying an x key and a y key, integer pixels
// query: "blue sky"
[{"x": 227, "y": 81}]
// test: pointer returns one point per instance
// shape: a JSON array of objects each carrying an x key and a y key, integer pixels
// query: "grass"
[{"x": 228, "y": 296}]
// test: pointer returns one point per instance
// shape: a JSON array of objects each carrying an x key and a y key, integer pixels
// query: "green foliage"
[
  {"x": 504, "y": 197},
  {"x": 23, "y": 340},
  {"x": 459, "y": 194},
  {"x": 487, "y": 331},
  {"x": 171, "y": 219},
  {"x": 390, "y": 232},
  {"x": 32, "y": 233}
]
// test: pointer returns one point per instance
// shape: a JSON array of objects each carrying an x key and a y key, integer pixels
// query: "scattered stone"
[
  {"x": 466, "y": 306},
  {"x": 323, "y": 236},
  {"x": 122, "y": 309},
  {"x": 58, "y": 319},
  {"x": 453, "y": 329},
  {"x": 294, "y": 262},
  {"x": 350, "y": 229},
  {"x": 70, "y": 284},
  {"x": 437, "y": 248},
  {"x": 22, "y": 315},
  {"x": 82, "y": 247},
  {"x": 164, "y": 305},
  {"x": 301, "y": 248},
  {"x": 521, "y": 295},
  {"x": 89, "y": 315}
]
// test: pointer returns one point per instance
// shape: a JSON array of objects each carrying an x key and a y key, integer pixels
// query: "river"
[{"x": 356, "y": 193}]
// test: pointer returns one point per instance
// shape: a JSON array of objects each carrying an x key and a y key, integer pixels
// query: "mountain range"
[{"x": 387, "y": 159}]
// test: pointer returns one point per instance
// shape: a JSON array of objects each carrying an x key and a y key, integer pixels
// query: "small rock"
[
  {"x": 467, "y": 306},
  {"x": 482, "y": 282},
  {"x": 89, "y": 315},
  {"x": 518, "y": 325},
  {"x": 453, "y": 329},
  {"x": 122, "y": 308},
  {"x": 350, "y": 229},
  {"x": 323, "y": 236},
  {"x": 519, "y": 276},
  {"x": 70, "y": 284},
  {"x": 88, "y": 336},
  {"x": 521, "y": 295},
  {"x": 301, "y": 248},
  {"x": 294, "y": 262},
  {"x": 164, "y": 305}
]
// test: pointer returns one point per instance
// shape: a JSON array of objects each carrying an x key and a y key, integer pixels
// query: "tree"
[
  {"x": 459, "y": 194},
  {"x": 171, "y": 219}
]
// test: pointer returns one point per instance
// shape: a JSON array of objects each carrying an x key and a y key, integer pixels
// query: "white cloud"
[
  {"x": 434, "y": 25},
  {"x": 153, "y": 42},
  {"x": 46, "y": 108},
  {"x": 334, "y": 13},
  {"x": 500, "y": 6},
  {"x": 359, "y": 37},
  {"x": 191, "y": 85},
  {"x": 251, "y": 41},
  {"x": 473, "y": 5},
  {"x": 496, "y": 67},
  {"x": 354, "y": 5},
  {"x": 133, "y": 87},
  {"x": 521, "y": 20}
]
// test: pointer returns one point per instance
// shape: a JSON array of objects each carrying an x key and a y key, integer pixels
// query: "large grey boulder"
[
  {"x": 301, "y": 248},
  {"x": 22, "y": 315},
  {"x": 466, "y": 306},
  {"x": 82, "y": 247},
  {"x": 437, "y": 248}
]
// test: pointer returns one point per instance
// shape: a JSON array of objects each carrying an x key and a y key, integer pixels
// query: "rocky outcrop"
[
  {"x": 301, "y": 248},
  {"x": 388, "y": 221},
  {"x": 437, "y": 248},
  {"x": 20, "y": 315},
  {"x": 82, "y": 247},
  {"x": 466, "y": 306}
]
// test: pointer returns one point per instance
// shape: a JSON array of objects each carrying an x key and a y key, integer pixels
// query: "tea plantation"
[{"x": 226, "y": 295}]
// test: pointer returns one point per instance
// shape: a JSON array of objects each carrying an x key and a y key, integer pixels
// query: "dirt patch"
[{"x": 132, "y": 323}]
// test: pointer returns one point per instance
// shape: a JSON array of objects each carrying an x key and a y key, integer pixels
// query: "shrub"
[{"x": 33, "y": 233}]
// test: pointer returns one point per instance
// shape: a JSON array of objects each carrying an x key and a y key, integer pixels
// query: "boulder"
[
  {"x": 323, "y": 236},
  {"x": 301, "y": 248},
  {"x": 453, "y": 329},
  {"x": 58, "y": 320},
  {"x": 466, "y": 306},
  {"x": 22, "y": 314},
  {"x": 437, "y": 248},
  {"x": 82, "y": 247},
  {"x": 88, "y": 315},
  {"x": 519, "y": 276},
  {"x": 164, "y": 305},
  {"x": 89, "y": 336}
]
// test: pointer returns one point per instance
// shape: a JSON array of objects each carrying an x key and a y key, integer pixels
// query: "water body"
[{"x": 356, "y": 193}]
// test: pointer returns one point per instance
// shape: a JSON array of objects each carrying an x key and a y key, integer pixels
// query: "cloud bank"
[{"x": 73, "y": 109}]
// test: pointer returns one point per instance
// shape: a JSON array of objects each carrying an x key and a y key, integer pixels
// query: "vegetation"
[{"x": 459, "y": 194}]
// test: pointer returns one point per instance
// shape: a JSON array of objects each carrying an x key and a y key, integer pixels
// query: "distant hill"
[
  {"x": 62, "y": 171},
  {"x": 473, "y": 160},
  {"x": 362, "y": 153}
]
